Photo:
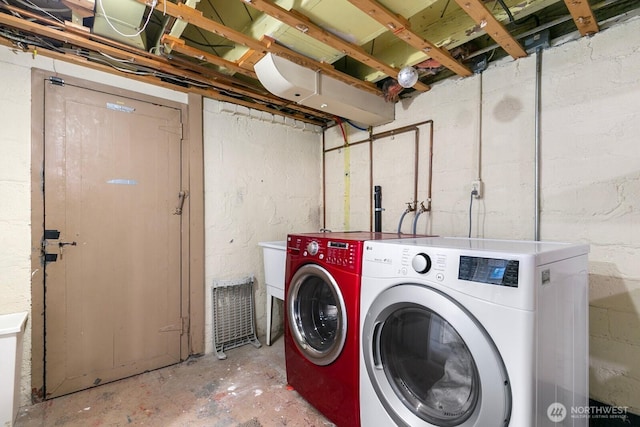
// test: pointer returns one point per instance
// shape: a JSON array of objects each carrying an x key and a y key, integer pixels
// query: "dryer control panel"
[{"x": 489, "y": 270}]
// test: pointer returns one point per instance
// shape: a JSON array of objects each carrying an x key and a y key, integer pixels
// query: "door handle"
[
  {"x": 61, "y": 244},
  {"x": 181, "y": 196}
]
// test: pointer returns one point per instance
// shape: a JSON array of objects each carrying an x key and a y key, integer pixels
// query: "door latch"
[{"x": 53, "y": 235}]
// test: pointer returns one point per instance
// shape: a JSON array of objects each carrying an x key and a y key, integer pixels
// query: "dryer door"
[
  {"x": 316, "y": 314},
  {"x": 431, "y": 363}
]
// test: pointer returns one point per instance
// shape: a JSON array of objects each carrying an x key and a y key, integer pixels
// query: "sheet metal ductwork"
[
  {"x": 312, "y": 89},
  {"x": 120, "y": 20}
]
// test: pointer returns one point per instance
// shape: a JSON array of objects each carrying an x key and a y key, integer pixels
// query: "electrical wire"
[
  {"x": 228, "y": 46},
  {"x": 144, "y": 27},
  {"x": 31, "y": 5},
  {"x": 46, "y": 11},
  {"x": 341, "y": 125},
  {"x": 470, "y": 205},
  {"x": 356, "y": 126}
]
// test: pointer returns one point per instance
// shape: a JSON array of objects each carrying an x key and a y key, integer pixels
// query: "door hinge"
[
  {"x": 49, "y": 235},
  {"x": 56, "y": 81}
]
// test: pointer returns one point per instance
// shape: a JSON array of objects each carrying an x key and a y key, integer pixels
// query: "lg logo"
[{"x": 557, "y": 412}]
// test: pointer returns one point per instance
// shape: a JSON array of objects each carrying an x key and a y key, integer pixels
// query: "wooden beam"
[
  {"x": 494, "y": 29},
  {"x": 219, "y": 83},
  {"x": 303, "y": 24},
  {"x": 249, "y": 59},
  {"x": 401, "y": 28},
  {"x": 583, "y": 16},
  {"x": 195, "y": 17},
  {"x": 179, "y": 45},
  {"x": 156, "y": 81},
  {"x": 320, "y": 67}
]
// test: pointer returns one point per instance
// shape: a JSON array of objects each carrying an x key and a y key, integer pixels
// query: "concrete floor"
[{"x": 248, "y": 389}]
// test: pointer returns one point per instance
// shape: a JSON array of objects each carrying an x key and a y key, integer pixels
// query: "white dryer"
[{"x": 473, "y": 332}]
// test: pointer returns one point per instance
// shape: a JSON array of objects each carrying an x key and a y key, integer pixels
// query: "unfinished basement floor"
[{"x": 248, "y": 389}]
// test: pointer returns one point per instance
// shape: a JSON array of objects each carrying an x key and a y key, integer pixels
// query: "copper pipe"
[
  {"x": 324, "y": 185},
  {"x": 372, "y": 137},
  {"x": 371, "y": 213},
  {"x": 408, "y": 128}
]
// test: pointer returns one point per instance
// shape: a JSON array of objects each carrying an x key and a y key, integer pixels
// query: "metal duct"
[
  {"x": 120, "y": 20},
  {"x": 312, "y": 89}
]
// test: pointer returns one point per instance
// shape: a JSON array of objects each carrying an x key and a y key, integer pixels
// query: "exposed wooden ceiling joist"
[
  {"x": 402, "y": 29},
  {"x": 583, "y": 16},
  {"x": 195, "y": 17},
  {"x": 179, "y": 45},
  {"x": 494, "y": 29},
  {"x": 357, "y": 42},
  {"x": 219, "y": 82},
  {"x": 207, "y": 92},
  {"x": 306, "y": 26}
]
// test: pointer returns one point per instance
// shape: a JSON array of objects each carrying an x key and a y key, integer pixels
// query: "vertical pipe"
[
  {"x": 416, "y": 165},
  {"x": 536, "y": 183},
  {"x": 324, "y": 183},
  {"x": 429, "y": 191},
  {"x": 479, "y": 159},
  {"x": 377, "y": 197},
  {"x": 370, "y": 177}
]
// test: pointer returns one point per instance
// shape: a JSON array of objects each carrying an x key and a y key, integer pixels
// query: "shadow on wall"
[{"x": 614, "y": 339}]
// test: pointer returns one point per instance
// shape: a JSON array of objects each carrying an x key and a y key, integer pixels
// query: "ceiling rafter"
[
  {"x": 494, "y": 29},
  {"x": 83, "y": 42},
  {"x": 219, "y": 82},
  {"x": 180, "y": 45},
  {"x": 303, "y": 24},
  {"x": 156, "y": 81},
  {"x": 401, "y": 28},
  {"x": 195, "y": 17},
  {"x": 583, "y": 16}
]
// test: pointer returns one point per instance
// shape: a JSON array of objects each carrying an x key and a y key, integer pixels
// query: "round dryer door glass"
[
  {"x": 317, "y": 315},
  {"x": 429, "y": 366},
  {"x": 430, "y": 362}
]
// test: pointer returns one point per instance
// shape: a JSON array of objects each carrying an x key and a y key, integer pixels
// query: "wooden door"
[{"x": 111, "y": 189}]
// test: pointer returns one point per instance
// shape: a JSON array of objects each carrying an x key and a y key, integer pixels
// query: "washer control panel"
[{"x": 421, "y": 263}]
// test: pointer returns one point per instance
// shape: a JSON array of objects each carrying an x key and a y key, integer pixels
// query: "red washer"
[{"x": 322, "y": 310}]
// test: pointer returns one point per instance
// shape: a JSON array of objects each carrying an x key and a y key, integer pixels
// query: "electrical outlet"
[{"x": 476, "y": 189}]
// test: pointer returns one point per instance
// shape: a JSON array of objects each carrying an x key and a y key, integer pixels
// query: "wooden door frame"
[{"x": 192, "y": 268}]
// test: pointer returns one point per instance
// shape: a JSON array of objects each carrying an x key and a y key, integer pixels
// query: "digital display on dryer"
[{"x": 493, "y": 271}]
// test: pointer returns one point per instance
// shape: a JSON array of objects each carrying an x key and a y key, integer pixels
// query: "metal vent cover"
[{"x": 233, "y": 315}]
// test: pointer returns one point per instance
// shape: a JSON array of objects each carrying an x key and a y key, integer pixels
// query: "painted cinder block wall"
[
  {"x": 590, "y": 176},
  {"x": 262, "y": 181}
]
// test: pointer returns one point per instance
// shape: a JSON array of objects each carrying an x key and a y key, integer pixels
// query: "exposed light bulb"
[{"x": 407, "y": 77}]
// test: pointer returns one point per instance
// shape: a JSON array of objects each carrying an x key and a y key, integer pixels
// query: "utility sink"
[{"x": 275, "y": 259}]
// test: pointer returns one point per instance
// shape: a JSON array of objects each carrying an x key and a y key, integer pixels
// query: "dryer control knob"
[
  {"x": 421, "y": 263},
  {"x": 313, "y": 247}
]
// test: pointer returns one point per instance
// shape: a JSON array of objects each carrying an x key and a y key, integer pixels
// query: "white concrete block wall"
[
  {"x": 15, "y": 209},
  {"x": 262, "y": 181},
  {"x": 590, "y": 175}
]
